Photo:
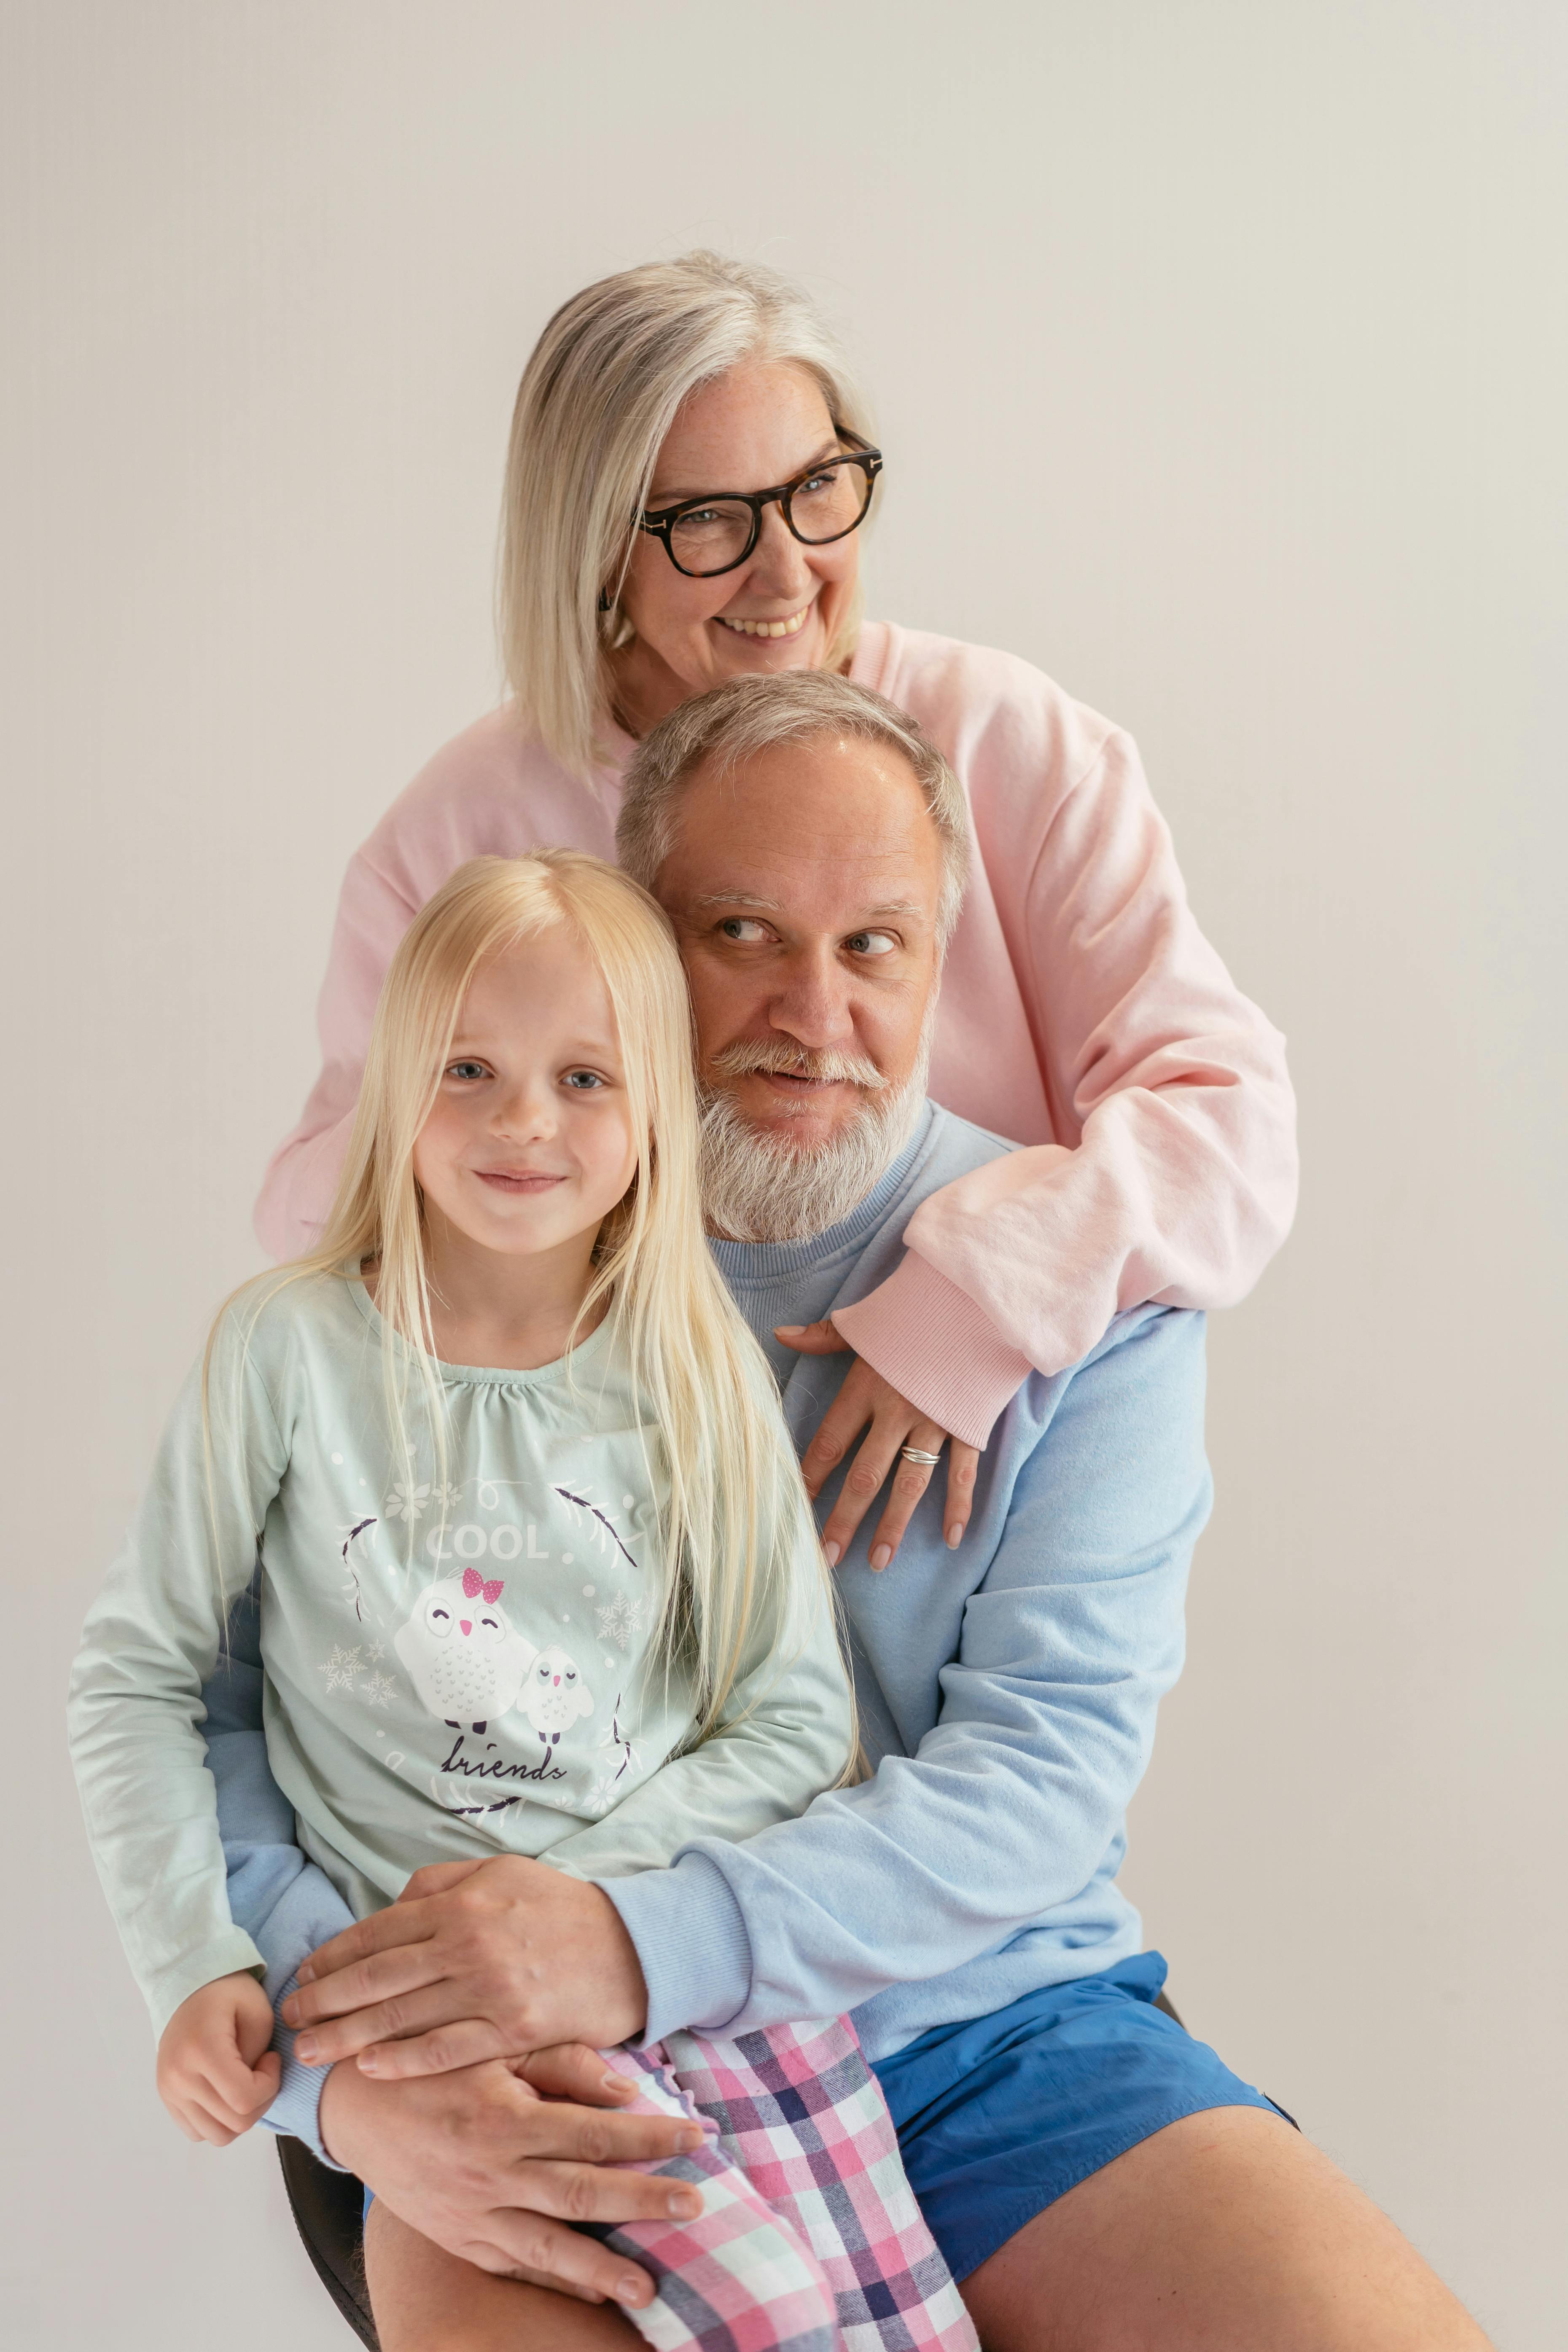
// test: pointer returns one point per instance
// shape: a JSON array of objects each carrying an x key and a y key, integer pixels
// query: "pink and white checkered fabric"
[{"x": 799, "y": 2114}]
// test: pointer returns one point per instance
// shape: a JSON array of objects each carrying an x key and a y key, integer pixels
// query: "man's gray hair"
[{"x": 731, "y": 723}]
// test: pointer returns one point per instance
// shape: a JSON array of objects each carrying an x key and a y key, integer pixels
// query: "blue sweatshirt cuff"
[
  {"x": 297, "y": 2110},
  {"x": 691, "y": 1940}
]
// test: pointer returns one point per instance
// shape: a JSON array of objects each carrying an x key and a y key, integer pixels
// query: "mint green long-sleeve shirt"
[{"x": 454, "y": 1667}]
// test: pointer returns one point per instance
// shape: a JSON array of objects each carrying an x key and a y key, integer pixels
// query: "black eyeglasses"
[{"x": 706, "y": 536}]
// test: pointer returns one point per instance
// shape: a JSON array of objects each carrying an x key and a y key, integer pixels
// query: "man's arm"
[
  {"x": 1013, "y": 1799},
  {"x": 1008, "y": 1808}
]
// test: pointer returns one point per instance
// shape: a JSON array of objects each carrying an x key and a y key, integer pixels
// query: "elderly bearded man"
[{"x": 1095, "y": 2177}]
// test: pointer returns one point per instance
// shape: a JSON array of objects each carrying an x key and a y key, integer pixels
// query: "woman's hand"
[
  {"x": 865, "y": 1397},
  {"x": 475, "y": 1960},
  {"x": 496, "y": 2163},
  {"x": 216, "y": 2072}
]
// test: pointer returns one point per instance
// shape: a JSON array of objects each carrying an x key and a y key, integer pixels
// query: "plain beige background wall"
[{"x": 1219, "y": 356}]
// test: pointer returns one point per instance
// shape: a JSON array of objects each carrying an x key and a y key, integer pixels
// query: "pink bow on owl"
[{"x": 474, "y": 1584}]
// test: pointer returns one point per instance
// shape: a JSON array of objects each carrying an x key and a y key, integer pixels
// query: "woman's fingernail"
[
  {"x": 832, "y": 1554},
  {"x": 954, "y": 1537},
  {"x": 683, "y": 2205},
  {"x": 881, "y": 1556},
  {"x": 305, "y": 1973},
  {"x": 369, "y": 2061},
  {"x": 305, "y": 2050}
]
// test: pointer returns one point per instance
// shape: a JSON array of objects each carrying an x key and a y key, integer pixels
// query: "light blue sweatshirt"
[{"x": 1007, "y": 1692}]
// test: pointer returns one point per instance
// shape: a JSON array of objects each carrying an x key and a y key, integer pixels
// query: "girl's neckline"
[{"x": 552, "y": 1375}]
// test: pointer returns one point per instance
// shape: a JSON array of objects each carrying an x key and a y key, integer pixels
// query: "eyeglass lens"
[{"x": 828, "y": 504}]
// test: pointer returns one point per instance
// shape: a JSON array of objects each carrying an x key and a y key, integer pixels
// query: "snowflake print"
[
  {"x": 407, "y": 1502},
  {"x": 341, "y": 1668},
  {"x": 446, "y": 1498},
  {"x": 376, "y": 1652},
  {"x": 620, "y": 1620},
  {"x": 378, "y": 1691}
]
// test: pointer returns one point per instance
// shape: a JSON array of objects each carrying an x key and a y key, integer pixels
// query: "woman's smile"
[{"x": 788, "y": 627}]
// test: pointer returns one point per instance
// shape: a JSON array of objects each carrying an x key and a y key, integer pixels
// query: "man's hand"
[
  {"x": 865, "y": 1397},
  {"x": 497, "y": 2162},
  {"x": 216, "y": 2072},
  {"x": 474, "y": 1961}
]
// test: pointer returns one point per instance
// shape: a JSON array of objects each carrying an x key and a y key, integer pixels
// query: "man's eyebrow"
[
  {"x": 831, "y": 447},
  {"x": 738, "y": 898},
  {"x": 775, "y": 906}
]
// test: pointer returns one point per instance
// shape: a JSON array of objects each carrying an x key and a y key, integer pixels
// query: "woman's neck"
[
  {"x": 508, "y": 1314},
  {"x": 646, "y": 689}
]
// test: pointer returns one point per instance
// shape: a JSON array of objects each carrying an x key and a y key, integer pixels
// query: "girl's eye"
[
  {"x": 583, "y": 1082},
  {"x": 466, "y": 1070},
  {"x": 743, "y": 928},
  {"x": 870, "y": 943}
]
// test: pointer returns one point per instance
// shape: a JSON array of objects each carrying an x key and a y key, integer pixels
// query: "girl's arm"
[
  {"x": 1175, "y": 1180},
  {"x": 283, "y": 1901},
  {"x": 152, "y": 1639}
]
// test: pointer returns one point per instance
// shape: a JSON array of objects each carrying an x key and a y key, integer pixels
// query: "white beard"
[{"x": 759, "y": 1185}]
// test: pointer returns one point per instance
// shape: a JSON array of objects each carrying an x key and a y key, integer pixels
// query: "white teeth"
[{"x": 789, "y": 628}]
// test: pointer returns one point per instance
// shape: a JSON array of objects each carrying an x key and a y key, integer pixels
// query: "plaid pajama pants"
[{"x": 809, "y": 2238}]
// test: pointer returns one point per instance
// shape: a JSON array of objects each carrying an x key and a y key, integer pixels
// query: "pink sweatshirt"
[{"x": 1083, "y": 1015}]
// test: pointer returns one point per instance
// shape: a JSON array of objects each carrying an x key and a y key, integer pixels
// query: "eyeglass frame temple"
[{"x": 659, "y": 522}]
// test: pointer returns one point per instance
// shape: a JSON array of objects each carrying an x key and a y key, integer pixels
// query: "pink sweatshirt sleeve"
[
  {"x": 302, "y": 1173},
  {"x": 1175, "y": 1176}
]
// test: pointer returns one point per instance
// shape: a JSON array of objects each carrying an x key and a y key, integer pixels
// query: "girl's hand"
[
  {"x": 215, "y": 2071},
  {"x": 865, "y": 1397}
]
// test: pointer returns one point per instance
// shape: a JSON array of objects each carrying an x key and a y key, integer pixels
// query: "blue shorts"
[{"x": 1000, "y": 2116}]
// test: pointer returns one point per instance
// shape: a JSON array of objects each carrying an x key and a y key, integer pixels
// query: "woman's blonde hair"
[
  {"x": 597, "y": 397},
  {"x": 737, "y": 1513}
]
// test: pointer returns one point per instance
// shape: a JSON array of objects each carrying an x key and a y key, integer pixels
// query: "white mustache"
[{"x": 779, "y": 1058}]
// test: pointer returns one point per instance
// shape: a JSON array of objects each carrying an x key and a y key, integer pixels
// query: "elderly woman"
[{"x": 691, "y": 463}]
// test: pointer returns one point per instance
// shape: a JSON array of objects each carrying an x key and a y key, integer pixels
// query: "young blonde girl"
[{"x": 537, "y": 1574}]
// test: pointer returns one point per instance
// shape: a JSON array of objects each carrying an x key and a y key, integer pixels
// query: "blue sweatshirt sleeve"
[
  {"x": 284, "y": 1902},
  {"x": 1014, "y": 1799}
]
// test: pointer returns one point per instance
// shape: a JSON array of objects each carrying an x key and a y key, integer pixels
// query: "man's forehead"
[{"x": 804, "y": 821}]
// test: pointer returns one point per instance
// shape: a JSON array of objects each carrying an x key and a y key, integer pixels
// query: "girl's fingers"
[
  {"x": 910, "y": 1480},
  {"x": 230, "y": 2083},
  {"x": 266, "y": 2077},
  {"x": 962, "y": 1463}
]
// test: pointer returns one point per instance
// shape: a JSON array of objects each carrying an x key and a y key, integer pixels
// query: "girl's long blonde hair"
[
  {"x": 737, "y": 1508},
  {"x": 600, "y": 392}
]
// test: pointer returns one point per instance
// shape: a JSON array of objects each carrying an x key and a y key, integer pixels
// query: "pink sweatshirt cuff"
[{"x": 937, "y": 1348}]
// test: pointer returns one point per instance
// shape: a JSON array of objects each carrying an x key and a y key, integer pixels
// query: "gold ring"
[{"x": 914, "y": 1453}]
